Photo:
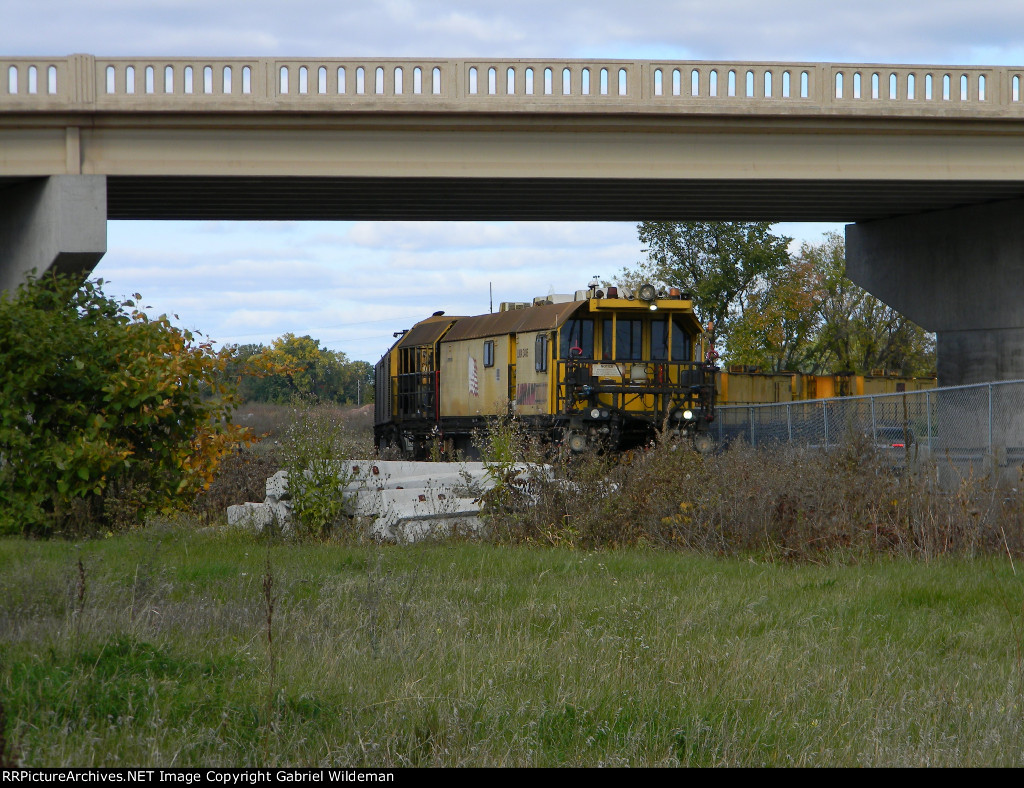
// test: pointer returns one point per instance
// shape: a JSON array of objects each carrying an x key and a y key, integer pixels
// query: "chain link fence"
[{"x": 956, "y": 430}]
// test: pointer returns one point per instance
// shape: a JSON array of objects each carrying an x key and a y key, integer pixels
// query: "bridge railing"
[{"x": 88, "y": 83}]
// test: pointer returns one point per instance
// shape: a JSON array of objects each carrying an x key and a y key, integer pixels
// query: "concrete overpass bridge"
[{"x": 925, "y": 162}]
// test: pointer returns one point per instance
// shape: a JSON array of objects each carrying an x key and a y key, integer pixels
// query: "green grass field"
[{"x": 156, "y": 652}]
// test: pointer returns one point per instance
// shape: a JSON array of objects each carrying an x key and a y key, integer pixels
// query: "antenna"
[{"x": 490, "y": 287}]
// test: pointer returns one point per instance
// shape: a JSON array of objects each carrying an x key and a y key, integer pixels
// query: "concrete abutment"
[
  {"x": 957, "y": 272},
  {"x": 57, "y": 223}
]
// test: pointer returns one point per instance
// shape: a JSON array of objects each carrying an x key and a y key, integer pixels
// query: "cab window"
[
  {"x": 628, "y": 336},
  {"x": 606, "y": 338},
  {"x": 659, "y": 340},
  {"x": 682, "y": 344},
  {"x": 540, "y": 353},
  {"x": 577, "y": 335},
  {"x": 681, "y": 349}
]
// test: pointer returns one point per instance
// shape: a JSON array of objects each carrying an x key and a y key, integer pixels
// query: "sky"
[{"x": 250, "y": 282}]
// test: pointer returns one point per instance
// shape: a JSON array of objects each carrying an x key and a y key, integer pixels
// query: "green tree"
[
  {"x": 104, "y": 413},
  {"x": 777, "y": 311},
  {"x": 720, "y": 263}
]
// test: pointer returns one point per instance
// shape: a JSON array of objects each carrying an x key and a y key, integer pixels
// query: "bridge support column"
[
  {"x": 957, "y": 272},
  {"x": 55, "y": 223}
]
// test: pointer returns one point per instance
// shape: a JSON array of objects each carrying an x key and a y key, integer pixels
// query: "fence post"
[
  {"x": 928, "y": 418},
  {"x": 753, "y": 440},
  {"x": 874, "y": 431},
  {"x": 789, "y": 421},
  {"x": 990, "y": 420},
  {"x": 824, "y": 415}
]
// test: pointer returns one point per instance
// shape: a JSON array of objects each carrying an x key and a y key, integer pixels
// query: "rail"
[{"x": 86, "y": 83}]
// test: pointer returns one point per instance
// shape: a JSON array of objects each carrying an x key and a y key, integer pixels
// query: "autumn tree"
[
  {"x": 779, "y": 325},
  {"x": 857, "y": 332},
  {"x": 295, "y": 366},
  {"x": 105, "y": 413}
]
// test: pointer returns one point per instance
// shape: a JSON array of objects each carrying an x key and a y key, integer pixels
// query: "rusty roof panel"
[
  {"x": 534, "y": 318},
  {"x": 427, "y": 332}
]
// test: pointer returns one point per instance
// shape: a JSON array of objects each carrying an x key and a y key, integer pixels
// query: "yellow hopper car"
[{"x": 606, "y": 367}]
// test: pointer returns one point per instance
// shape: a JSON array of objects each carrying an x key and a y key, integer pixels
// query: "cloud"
[
  {"x": 416, "y": 236},
  {"x": 942, "y": 31}
]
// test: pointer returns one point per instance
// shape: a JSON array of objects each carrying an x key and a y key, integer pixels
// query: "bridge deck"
[{"x": 255, "y": 138}]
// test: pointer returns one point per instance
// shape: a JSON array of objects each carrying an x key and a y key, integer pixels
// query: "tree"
[
  {"x": 299, "y": 367},
  {"x": 104, "y": 413},
  {"x": 720, "y": 263},
  {"x": 857, "y": 332},
  {"x": 779, "y": 326},
  {"x": 779, "y": 312}
]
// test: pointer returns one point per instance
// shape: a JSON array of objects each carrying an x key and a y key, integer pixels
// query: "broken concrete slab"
[{"x": 404, "y": 501}]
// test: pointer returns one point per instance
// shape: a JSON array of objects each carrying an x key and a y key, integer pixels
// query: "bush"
[{"x": 105, "y": 414}]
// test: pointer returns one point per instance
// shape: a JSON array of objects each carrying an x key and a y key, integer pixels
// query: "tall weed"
[{"x": 314, "y": 446}]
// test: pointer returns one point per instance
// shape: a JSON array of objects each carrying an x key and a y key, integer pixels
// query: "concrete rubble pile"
[{"x": 404, "y": 501}]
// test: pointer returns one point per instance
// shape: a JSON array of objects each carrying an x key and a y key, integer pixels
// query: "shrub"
[
  {"x": 105, "y": 414},
  {"x": 788, "y": 503}
]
